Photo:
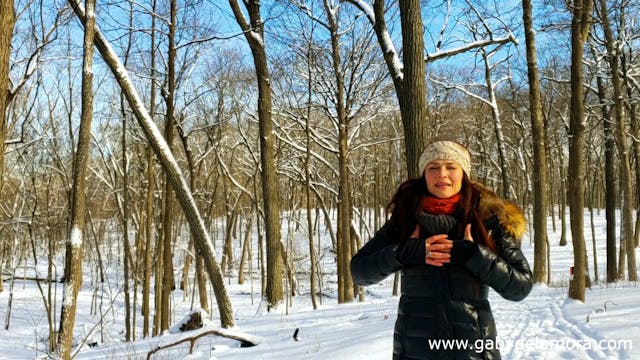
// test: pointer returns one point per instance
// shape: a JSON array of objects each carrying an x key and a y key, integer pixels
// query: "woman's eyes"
[{"x": 451, "y": 168}]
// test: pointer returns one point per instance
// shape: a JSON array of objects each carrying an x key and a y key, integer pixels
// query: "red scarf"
[{"x": 437, "y": 206}]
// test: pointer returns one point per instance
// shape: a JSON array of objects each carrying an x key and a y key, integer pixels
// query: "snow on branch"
[
  {"x": 246, "y": 340},
  {"x": 470, "y": 46},
  {"x": 366, "y": 9},
  {"x": 384, "y": 39}
]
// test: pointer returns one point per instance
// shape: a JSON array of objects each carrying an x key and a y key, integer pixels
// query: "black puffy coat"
[{"x": 450, "y": 302}]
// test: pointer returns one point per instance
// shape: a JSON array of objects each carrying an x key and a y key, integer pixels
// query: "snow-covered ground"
[{"x": 545, "y": 325}]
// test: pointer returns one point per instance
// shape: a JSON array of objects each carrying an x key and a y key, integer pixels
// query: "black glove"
[
  {"x": 462, "y": 250},
  {"x": 410, "y": 252}
]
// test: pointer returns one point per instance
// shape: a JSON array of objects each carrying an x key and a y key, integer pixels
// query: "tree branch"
[{"x": 470, "y": 46}]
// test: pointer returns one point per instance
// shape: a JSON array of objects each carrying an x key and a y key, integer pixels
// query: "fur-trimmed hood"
[{"x": 508, "y": 213}]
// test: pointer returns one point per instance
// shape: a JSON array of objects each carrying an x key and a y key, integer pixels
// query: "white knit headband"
[{"x": 445, "y": 150}]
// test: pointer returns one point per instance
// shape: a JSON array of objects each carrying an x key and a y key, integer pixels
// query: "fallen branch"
[
  {"x": 246, "y": 340},
  {"x": 31, "y": 278}
]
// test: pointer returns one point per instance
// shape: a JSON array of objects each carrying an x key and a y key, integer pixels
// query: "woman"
[{"x": 452, "y": 239}]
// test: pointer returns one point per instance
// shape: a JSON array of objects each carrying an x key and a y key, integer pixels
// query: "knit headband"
[{"x": 445, "y": 150}]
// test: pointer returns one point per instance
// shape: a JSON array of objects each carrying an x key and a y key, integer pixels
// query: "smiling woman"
[{"x": 452, "y": 239}]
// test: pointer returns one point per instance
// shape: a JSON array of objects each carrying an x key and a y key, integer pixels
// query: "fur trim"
[{"x": 508, "y": 213}]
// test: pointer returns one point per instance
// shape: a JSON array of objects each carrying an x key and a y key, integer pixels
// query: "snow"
[
  {"x": 544, "y": 325},
  {"x": 75, "y": 238},
  {"x": 389, "y": 48},
  {"x": 366, "y": 9},
  {"x": 257, "y": 38}
]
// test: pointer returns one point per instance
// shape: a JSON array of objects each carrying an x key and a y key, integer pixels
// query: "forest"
[{"x": 185, "y": 142}]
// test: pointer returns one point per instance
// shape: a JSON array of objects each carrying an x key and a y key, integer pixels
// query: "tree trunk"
[
  {"x": 74, "y": 244},
  {"x": 148, "y": 233},
  {"x": 7, "y": 23},
  {"x": 345, "y": 282},
  {"x": 125, "y": 201},
  {"x": 186, "y": 266},
  {"x": 148, "y": 226},
  {"x": 596, "y": 276},
  {"x": 635, "y": 132},
  {"x": 313, "y": 284},
  {"x": 125, "y": 231},
  {"x": 562, "y": 191},
  {"x": 202, "y": 281},
  {"x": 620, "y": 135},
  {"x": 413, "y": 98},
  {"x": 227, "y": 251},
  {"x": 245, "y": 250},
  {"x": 170, "y": 165},
  {"x": 254, "y": 32},
  {"x": 168, "y": 200},
  {"x": 540, "y": 180},
  {"x": 610, "y": 182},
  {"x": 579, "y": 30}
]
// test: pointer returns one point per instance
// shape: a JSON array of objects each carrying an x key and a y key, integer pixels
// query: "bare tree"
[
  {"x": 339, "y": 111},
  {"x": 74, "y": 244},
  {"x": 168, "y": 197},
  {"x": 345, "y": 283},
  {"x": 36, "y": 39},
  {"x": 626, "y": 181},
  {"x": 610, "y": 178},
  {"x": 148, "y": 225},
  {"x": 540, "y": 182},
  {"x": 580, "y": 23},
  {"x": 254, "y": 32},
  {"x": 170, "y": 165},
  {"x": 8, "y": 20}
]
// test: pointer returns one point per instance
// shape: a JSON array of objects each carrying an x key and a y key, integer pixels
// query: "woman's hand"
[
  {"x": 463, "y": 250},
  {"x": 437, "y": 250}
]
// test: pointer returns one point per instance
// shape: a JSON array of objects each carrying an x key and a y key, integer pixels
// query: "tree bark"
[
  {"x": 345, "y": 282},
  {"x": 413, "y": 98},
  {"x": 620, "y": 135},
  {"x": 168, "y": 199},
  {"x": 610, "y": 182},
  {"x": 313, "y": 284},
  {"x": 125, "y": 232},
  {"x": 540, "y": 180},
  {"x": 148, "y": 233},
  {"x": 635, "y": 131},
  {"x": 254, "y": 32},
  {"x": 7, "y": 23},
  {"x": 128, "y": 327},
  {"x": 74, "y": 244},
  {"x": 580, "y": 21},
  {"x": 245, "y": 250},
  {"x": 408, "y": 78}
]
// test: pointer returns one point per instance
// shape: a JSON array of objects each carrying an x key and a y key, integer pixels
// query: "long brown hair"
[
  {"x": 468, "y": 212},
  {"x": 405, "y": 205}
]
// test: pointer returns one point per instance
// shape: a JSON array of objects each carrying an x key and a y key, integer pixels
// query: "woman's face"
[{"x": 444, "y": 178}]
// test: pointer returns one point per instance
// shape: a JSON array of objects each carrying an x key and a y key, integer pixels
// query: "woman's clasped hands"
[{"x": 438, "y": 247}]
